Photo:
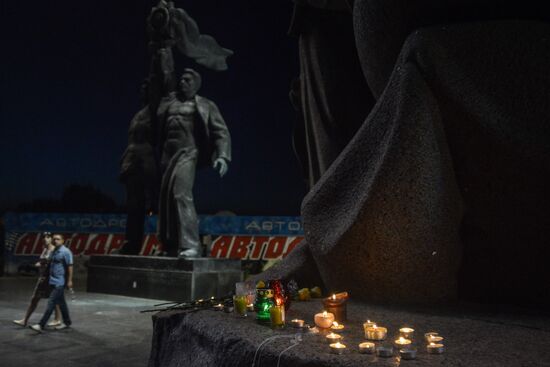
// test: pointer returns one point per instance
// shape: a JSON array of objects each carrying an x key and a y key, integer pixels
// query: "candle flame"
[
  {"x": 325, "y": 314},
  {"x": 333, "y": 296},
  {"x": 374, "y": 326},
  {"x": 432, "y": 343},
  {"x": 335, "y": 323},
  {"x": 401, "y": 339}
]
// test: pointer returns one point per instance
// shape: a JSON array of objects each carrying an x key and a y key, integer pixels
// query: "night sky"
[{"x": 70, "y": 85}]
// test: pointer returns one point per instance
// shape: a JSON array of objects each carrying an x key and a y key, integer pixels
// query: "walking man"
[{"x": 61, "y": 275}]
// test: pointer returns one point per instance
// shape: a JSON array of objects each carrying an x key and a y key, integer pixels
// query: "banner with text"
[{"x": 247, "y": 238}]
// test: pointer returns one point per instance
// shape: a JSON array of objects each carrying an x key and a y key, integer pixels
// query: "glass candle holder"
[
  {"x": 337, "y": 306},
  {"x": 277, "y": 316},
  {"x": 264, "y": 302},
  {"x": 240, "y": 303}
]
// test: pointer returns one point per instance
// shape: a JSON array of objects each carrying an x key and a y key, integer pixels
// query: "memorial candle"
[
  {"x": 337, "y": 348},
  {"x": 434, "y": 339},
  {"x": 324, "y": 320},
  {"x": 367, "y": 348},
  {"x": 297, "y": 323},
  {"x": 376, "y": 333},
  {"x": 333, "y": 338},
  {"x": 407, "y": 353},
  {"x": 337, "y": 305},
  {"x": 336, "y": 326},
  {"x": 277, "y": 315},
  {"x": 240, "y": 303},
  {"x": 384, "y": 351},
  {"x": 402, "y": 342},
  {"x": 406, "y": 332}
]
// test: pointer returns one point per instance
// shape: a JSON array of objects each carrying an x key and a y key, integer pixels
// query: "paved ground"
[{"x": 108, "y": 331}]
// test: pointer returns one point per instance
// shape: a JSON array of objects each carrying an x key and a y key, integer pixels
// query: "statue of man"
[{"x": 193, "y": 134}]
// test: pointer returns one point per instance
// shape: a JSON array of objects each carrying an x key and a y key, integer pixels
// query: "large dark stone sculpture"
[
  {"x": 332, "y": 99},
  {"x": 441, "y": 192},
  {"x": 193, "y": 134},
  {"x": 170, "y": 132},
  {"x": 139, "y": 173}
]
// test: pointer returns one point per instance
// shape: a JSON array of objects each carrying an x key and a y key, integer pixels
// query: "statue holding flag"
[{"x": 187, "y": 130}]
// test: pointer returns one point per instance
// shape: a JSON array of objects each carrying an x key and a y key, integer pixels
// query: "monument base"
[
  {"x": 163, "y": 278},
  {"x": 218, "y": 339}
]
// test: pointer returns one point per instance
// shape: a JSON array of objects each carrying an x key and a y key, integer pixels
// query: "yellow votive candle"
[{"x": 277, "y": 316}]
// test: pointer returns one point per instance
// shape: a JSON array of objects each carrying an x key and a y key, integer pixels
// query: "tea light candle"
[
  {"x": 434, "y": 339},
  {"x": 333, "y": 338},
  {"x": 324, "y": 320},
  {"x": 337, "y": 348},
  {"x": 376, "y": 333},
  {"x": 406, "y": 332},
  {"x": 434, "y": 348},
  {"x": 228, "y": 308},
  {"x": 367, "y": 348},
  {"x": 428, "y": 335},
  {"x": 384, "y": 351},
  {"x": 407, "y": 353},
  {"x": 218, "y": 307},
  {"x": 368, "y": 323},
  {"x": 337, "y": 326},
  {"x": 402, "y": 342},
  {"x": 297, "y": 323}
]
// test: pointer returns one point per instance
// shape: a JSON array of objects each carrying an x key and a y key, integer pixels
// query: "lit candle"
[
  {"x": 406, "y": 332},
  {"x": 277, "y": 316},
  {"x": 384, "y": 351},
  {"x": 434, "y": 348},
  {"x": 218, "y": 307},
  {"x": 240, "y": 303},
  {"x": 337, "y": 304},
  {"x": 368, "y": 323},
  {"x": 324, "y": 320},
  {"x": 434, "y": 339},
  {"x": 337, "y": 326},
  {"x": 337, "y": 348},
  {"x": 333, "y": 338},
  {"x": 297, "y": 323},
  {"x": 366, "y": 348},
  {"x": 407, "y": 353},
  {"x": 250, "y": 307},
  {"x": 376, "y": 333},
  {"x": 428, "y": 335},
  {"x": 402, "y": 342}
]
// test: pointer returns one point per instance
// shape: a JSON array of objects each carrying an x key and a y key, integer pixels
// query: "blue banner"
[{"x": 116, "y": 223}]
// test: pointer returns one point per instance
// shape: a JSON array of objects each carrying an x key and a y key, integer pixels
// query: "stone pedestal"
[
  {"x": 473, "y": 338},
  {"x": 163, "y": 278}
]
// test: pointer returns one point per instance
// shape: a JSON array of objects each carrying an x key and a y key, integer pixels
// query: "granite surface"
[
  {"x": 212, "y": 338},
  {"x": 442, "y": 192}
]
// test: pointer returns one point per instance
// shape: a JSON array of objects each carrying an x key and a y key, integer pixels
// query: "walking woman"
[{"x": 42, "y": 288}]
